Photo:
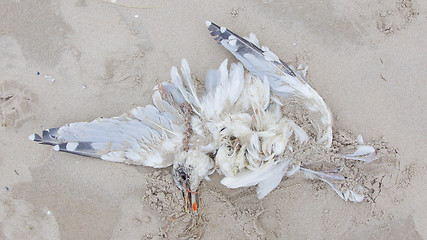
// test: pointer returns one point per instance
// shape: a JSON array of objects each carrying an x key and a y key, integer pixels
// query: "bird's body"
[{"x": 236, "y": 125}]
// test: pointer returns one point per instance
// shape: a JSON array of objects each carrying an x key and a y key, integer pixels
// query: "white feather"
[
  {"x": 273, "y": 179},
  {"x": 253, "y": 39},
  {"x": 359, "y": 139},
  {"x": 177, "y": 81},
  {"x": 162, "y": 105},
  {"x": 269, "y": 55},
  {"x": 363, "y": 153},
  {"x": 211, "y": 80},
  {"x": 247, "y": 178},
  {"x": 185, "y": 70},
  {"x": 362, "y": 150}
]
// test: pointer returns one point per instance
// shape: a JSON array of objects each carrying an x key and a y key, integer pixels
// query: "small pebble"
[
  {"x": 84, "y": 86},
  {"x": 38, "y": 73},
  {"x": 6, "y": 189},
  {"x": 49, "y": 212},
  {"x": 136, "y": 16}
]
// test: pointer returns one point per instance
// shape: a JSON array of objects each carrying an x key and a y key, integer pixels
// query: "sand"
[{"x": 67, "y": 61}]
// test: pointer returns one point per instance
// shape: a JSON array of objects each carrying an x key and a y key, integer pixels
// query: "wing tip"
[
  {"x": 35, "y": 138},
  {"x": 78, "y": 148},
  {"x": 66, "y": 147},
  {"x": 229, "y": 39},
  {"x": 219, "y": 32},
  {"x": 48, "y": 136}
]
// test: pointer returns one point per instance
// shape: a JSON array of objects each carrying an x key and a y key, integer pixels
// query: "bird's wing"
[
  {"x": 259, "y": 61},
  {"x": 285, "y": 82},
  {"x": 148, "y": 136}
]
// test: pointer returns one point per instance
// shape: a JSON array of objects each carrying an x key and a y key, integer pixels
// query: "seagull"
[{"x": 235, "y": 125}]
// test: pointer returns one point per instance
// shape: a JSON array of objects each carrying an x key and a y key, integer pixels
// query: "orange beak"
[{"x": 191, "y": 201}]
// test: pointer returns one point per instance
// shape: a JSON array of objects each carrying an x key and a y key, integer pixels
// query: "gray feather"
[
  {"x": 79, "y": 148},
  {"x": 211, "y": 80},
  {"x": 49, "y": 136},
  {"x": 242, "y": 49}
]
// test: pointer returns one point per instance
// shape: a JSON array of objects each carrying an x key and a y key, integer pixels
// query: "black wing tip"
[
  {"x": 78, "y": 148},
  {"x": 222, "y": 33},
  {"x": 69, "y": 147},
  {"x": 212, "y": 26},
  {"x": 75, "y": 146},
  {"x": 48, "y": 136},
  {"x": 217, "y": 31},
  {"x": 35, "y": 137}
]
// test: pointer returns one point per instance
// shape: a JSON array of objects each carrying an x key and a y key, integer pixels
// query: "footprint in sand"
[
  {"x": 16, "y": 100},
  {"x": 394, "y": 16},
  {"x": 15, "y": 104},
  {"x": 20, "y": 219}
]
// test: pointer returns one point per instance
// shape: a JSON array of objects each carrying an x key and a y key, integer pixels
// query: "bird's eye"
[{"x": 183, "y": 176}]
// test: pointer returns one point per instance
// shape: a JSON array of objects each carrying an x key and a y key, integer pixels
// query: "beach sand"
[{"x": 69, "y": 61}]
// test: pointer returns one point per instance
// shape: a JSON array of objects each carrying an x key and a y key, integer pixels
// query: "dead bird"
[{"x": 237, "y": 126}]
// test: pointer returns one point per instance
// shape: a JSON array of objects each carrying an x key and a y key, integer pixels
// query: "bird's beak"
[{"x": 191, "y": 201}]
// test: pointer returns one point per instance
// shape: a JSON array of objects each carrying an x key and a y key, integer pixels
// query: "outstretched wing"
[
  {"x": 285, "y": 82},
  {"x": 148, "y": 136}
]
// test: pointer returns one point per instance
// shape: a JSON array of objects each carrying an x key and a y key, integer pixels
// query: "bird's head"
[{"x": 189, "y": 169}]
